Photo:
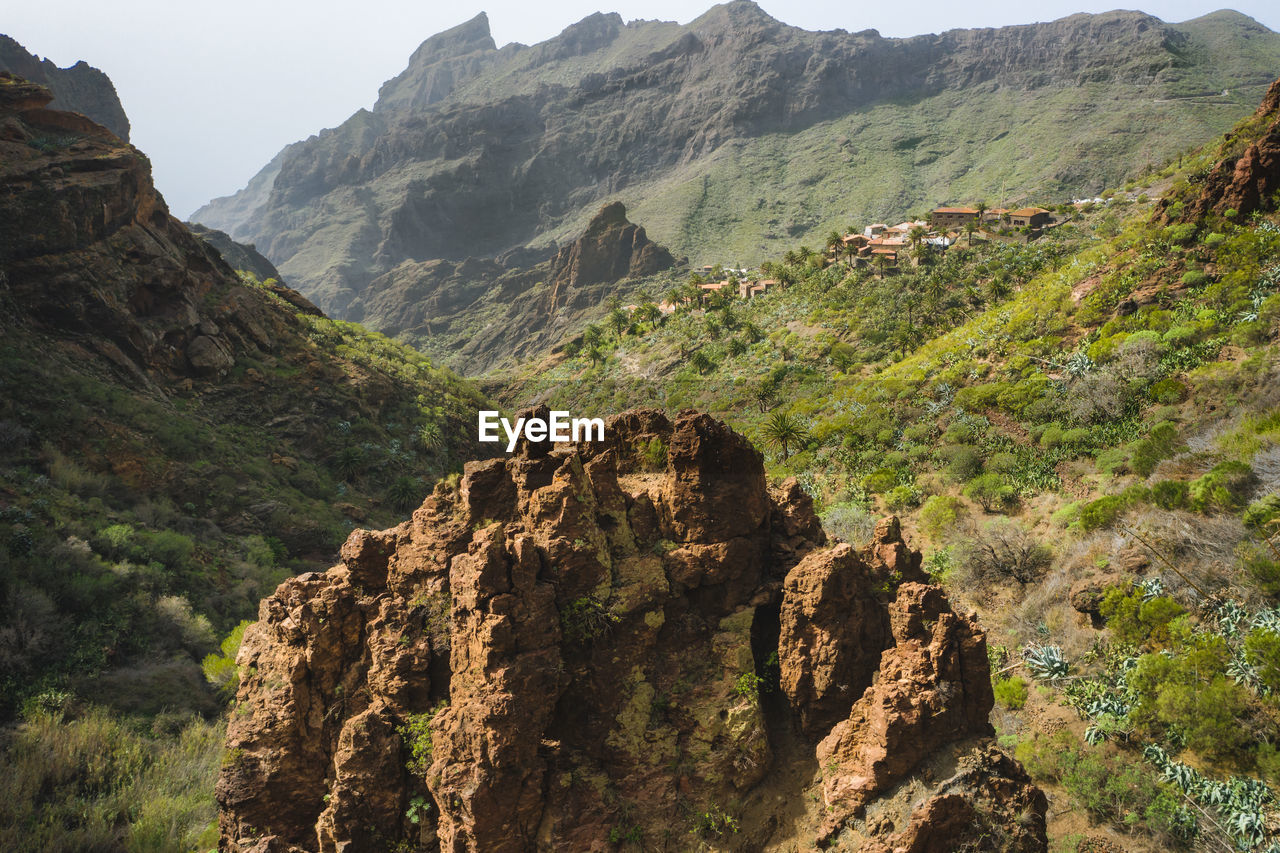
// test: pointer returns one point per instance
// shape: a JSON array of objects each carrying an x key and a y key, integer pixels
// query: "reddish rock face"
[
  {"x": 572, "y": 644},
  {"x": 1248, "y": 182}
]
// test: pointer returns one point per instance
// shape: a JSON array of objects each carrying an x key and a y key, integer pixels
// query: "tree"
[
  {"x": 782, "y": 430},
  {"x": 881, "y": 262},
  {"x": 618, "y": 321},
  {"x": 969, "y": 227},
  {"x": 592, "y": 336},
  {"x": 700, "y": 362},
  {"x": 835, "y": 242},
  {"x": 982, "y": 208},
  {"x": 765, "y": 395},
  {"x": 648, "y": 313}
]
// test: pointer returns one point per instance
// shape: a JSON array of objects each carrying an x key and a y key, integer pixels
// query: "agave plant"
[
  {"x": 1182, "y": 775},
  {"x": 1268, "y": 619},
  {"x": 1151, "y": 587},
  {"x": 1045, "y": 662},
  {"x": 1079, "y": 364},
  {"x": 1229, "y": 615}
]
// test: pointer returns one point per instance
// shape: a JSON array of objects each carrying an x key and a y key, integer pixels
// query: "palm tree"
[
  {"x": 618, "y": 321},
  {"x": 765, "y": 395},
  {"x": 835, "y": 242},
  {"x": 916, "y": 235},
  {"x": 592, "y": 336},
  {"x": 881, "y": 261},
  {"x": 648, "y": 313},
  {"x": 969, "y": 227},
  {"x": 982, "y": 208},
  {"x": 783, "y": 430}
]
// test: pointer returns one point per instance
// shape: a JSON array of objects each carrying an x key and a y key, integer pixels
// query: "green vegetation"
[
  {"x": 584, "y": 619},
  {"x": 87, "y": 780},
  {"x": 142, "y": 521},
  {"x": 416, "y": 733},
  {"x": 1010, "y": 692}
]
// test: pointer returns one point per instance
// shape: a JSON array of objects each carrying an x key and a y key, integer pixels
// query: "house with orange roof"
[
  {"x": 953, "y": 217},
  {"x": 1032, "y": 216}
]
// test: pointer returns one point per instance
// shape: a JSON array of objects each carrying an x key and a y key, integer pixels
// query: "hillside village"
[{"x": 879, "y": 245}]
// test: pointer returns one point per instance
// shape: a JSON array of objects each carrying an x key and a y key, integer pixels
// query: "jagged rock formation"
[
  {"x": 519, "y": 306},
  {"x": 579, "y": 644},
  {"x": 610, "y": 249},
  {"x": 1247, "y": 181},
  {"x": 731, "y": 138},
  {"x": 81, "y": 88}
]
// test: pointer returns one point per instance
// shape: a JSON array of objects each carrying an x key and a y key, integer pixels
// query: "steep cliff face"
[
  {"x": 735, "y": 134},
  {"x": 81, "y": 88},
  {"x": 584, "y": 645},
  {"x": 88, "y": 248}
]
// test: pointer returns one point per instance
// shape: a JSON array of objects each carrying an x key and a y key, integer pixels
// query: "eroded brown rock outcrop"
[
  {"x": 1248, "y": 181},
  {"x": 576, "y": 643}
]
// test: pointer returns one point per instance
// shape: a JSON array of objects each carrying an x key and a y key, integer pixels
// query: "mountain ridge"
[{"x": 732, "y": 134}]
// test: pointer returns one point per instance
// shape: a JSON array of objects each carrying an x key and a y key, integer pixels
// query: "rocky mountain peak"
[{"x": 439, "y": 65}]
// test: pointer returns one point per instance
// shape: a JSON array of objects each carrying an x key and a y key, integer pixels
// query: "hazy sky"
[{"x": 214, "y": 90}]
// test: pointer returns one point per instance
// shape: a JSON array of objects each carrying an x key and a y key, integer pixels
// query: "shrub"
[
  {"x": 1225, "y": 487},
  {"x": 963, "y": 462},
  {"x": 1108, "y": 784},
  {"x": 1138, "y": 622},
  {"x": 1010, "y": 692},
  {"x": 939, "y": 514},
  {"x": 1168, "y": 391},
  {"x": 1051, "y": 437},
  {"x": 220, "y": 667},
  {"x": 586, "y": 619},
  {"x": 1263, "y": 514},
  {"x": 1004, "y": 549},
  {"x": 1171, "y": 494},
  {"x": 1191, "y": 694},
  {"x": 1194, "y": 278},
  {"x": 1262, "y": 651},
  {"x": 1102, "y": 513},
  {"x": 1113, "y": 461},
  {"x": 1159, "y": 444},
  {"x": 901, "y": 498},
  {"x": 991, "y": 492},
  {"x": 1260, "y": 566},
  {"x": 850, "y": 523},
  {"x": 416, "y": 733},
  {"x": 655, "y": 455}
]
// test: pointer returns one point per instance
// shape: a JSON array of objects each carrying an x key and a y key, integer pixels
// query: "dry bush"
[
  {"x": 999, "y": 550},
  {"x": 1201, "y": 547}
]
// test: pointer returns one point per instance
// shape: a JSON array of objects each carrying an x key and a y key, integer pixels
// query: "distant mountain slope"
[
  {"x": 734, "y": 136},
  {"x": 80, "y": 88}
]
